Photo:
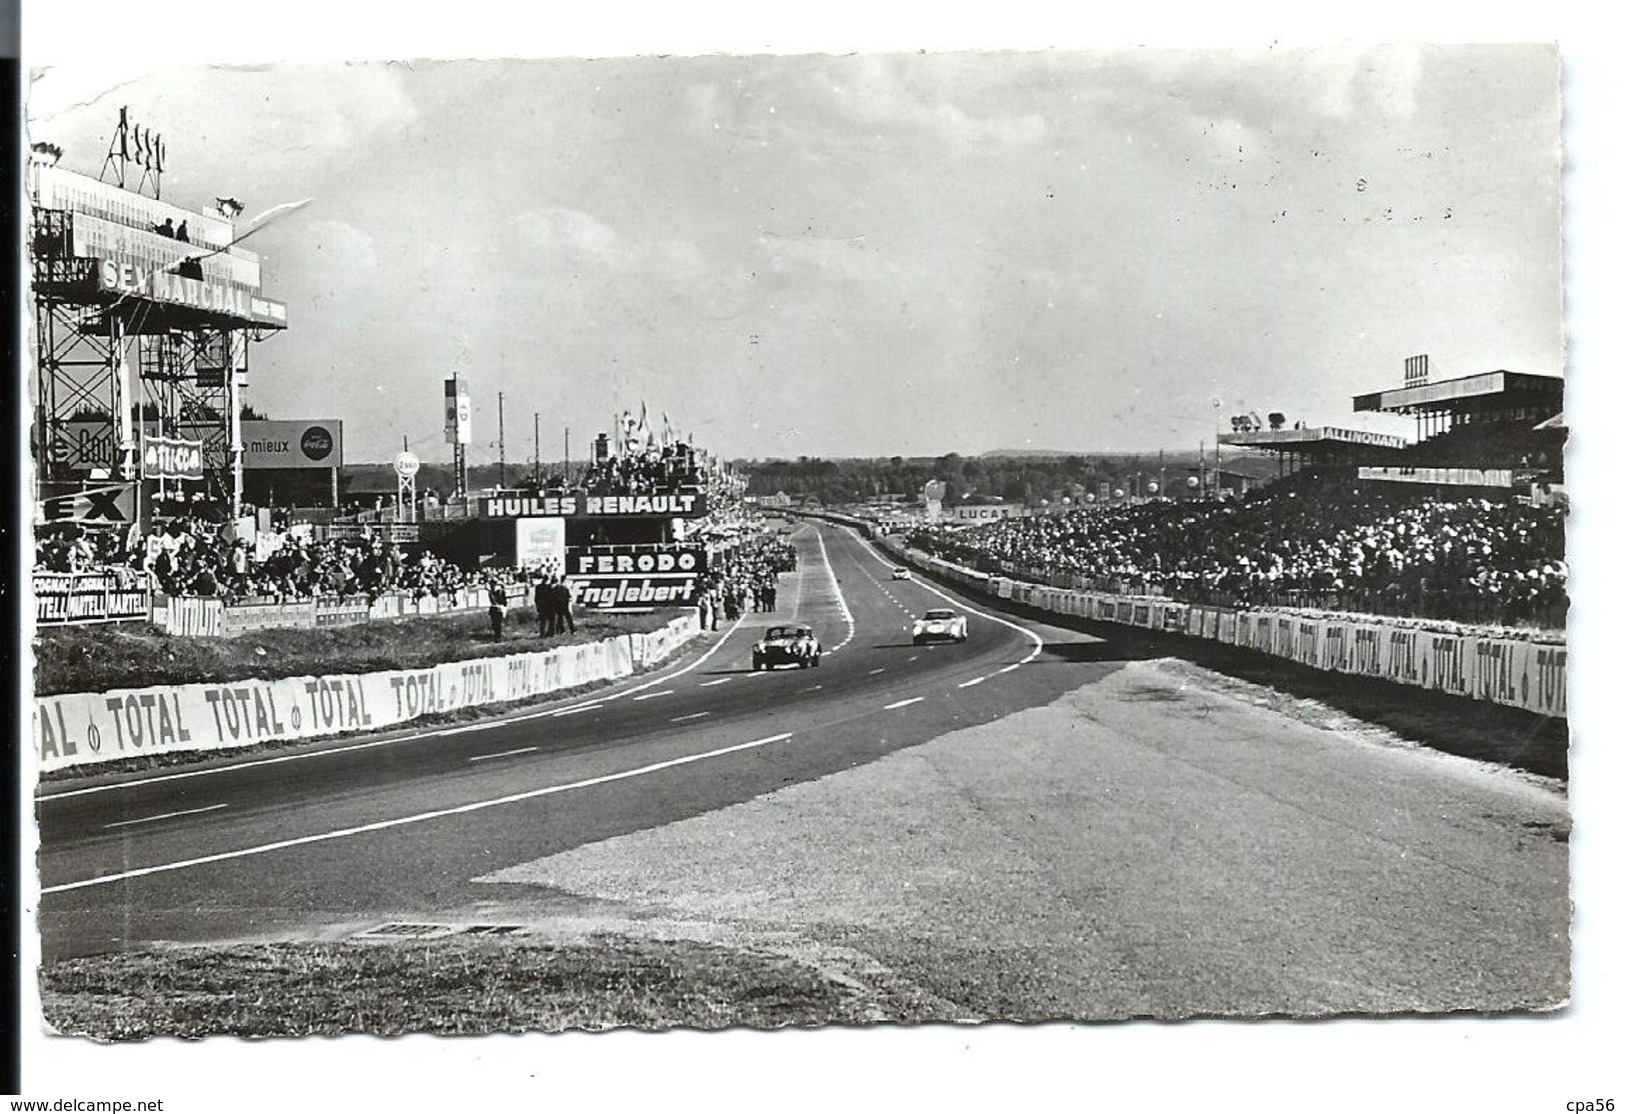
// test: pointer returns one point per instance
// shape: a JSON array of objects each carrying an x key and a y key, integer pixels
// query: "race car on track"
[
  {"x": 939, "y": 624},
  {"x": 786, "y": 645},
  {"x": 900, "y": 573}
]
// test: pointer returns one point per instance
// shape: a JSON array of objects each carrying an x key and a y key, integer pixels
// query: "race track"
[{"x": 1027, "y": 824}]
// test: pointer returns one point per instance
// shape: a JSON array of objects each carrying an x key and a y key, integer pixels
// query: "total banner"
[{"x": 85, "y": 728}]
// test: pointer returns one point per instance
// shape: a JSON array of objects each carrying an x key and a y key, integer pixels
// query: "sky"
[{"x": 871, "y": 253}]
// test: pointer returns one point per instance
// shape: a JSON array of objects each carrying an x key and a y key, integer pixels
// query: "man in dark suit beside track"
[{"x": 546, "y": 615}]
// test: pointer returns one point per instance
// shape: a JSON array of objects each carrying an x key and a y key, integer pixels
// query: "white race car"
[
  {"x": 939, "y": 625},
  {"x": 900, "y": 573}
]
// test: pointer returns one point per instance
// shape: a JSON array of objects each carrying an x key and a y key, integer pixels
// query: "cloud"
[{"x": 575, "y": 236}]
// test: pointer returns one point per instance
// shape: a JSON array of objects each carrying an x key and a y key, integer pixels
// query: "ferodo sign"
[
  {"x": 634, "y": 581},
  {"x": 647, "y": 563}
]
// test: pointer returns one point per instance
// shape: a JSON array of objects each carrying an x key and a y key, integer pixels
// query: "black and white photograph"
[{"x": 838, "y": 552}]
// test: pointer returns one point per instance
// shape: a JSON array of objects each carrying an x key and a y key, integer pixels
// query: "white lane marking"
[
  {"x": 1008, "y": 668},
  {"x": 916, "y": 657},
  {"x": 872, "y": 672},
  {"x": 579, "y": 708},
  {"x": 162, "y": 816},
  {"x": 718, "y": 681},
  {"x": 840, "y": 597},
  {"x": 1038, "y": 641},
  {"x": 416, "y": 818},
  {"x": 459, "y": 730},
  {"x": 652, "y": 695},
  {"x": 753, "y": 674},
  {"x": 814, "y": 688},
  {"x": 693, "y": 715},
  {"x": 905, "y": 703},
  {"x": 977, "y": 681},
  {"x": 503, "y": 754}
]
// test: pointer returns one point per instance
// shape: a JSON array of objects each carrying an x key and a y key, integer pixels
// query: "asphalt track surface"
[
  {"x": 262, "y": 843},
  {"x": 1029, "y": 824}
]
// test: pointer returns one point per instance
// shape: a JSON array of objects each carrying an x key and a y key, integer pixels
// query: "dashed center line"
[
  {"x": 503, "y": 754},
  {"x": 718, "y": 681},
  {"x": 579, "y": 709},
  {"x": 652, "y": 695},
  {"x": 904, "y": 703},
  {"x": 872, "y": 672},
  {"x": 814, "y": 688},
  {"x": 691, "y": 715},
  {"x": 162, "y": 816},
  {"x": 976, "y": 681}
]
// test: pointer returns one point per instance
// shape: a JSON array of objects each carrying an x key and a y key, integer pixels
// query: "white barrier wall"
[
  {"x": 1518, "y": 672},
  {"x": 83, "y": 728}
]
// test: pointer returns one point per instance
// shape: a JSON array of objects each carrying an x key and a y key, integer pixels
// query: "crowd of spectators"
[
  {"x": 1308, "y": 541},
  {"x": 653, "y": 472},
  {"x": 745, "y": 577},
  {"x": 187, "y": 557}
]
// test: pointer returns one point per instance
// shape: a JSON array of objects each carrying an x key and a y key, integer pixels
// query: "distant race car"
[
  {"x": 900, "y": 573},
  {"x": 939, "y": 624},
  {"x": 786, "y": 645}
]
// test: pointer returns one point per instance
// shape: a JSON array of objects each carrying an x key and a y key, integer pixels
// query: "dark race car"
[{"x": 786, "y": 645}]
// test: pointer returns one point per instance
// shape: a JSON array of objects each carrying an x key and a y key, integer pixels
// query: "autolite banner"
[{"x": 171, "y": 458}]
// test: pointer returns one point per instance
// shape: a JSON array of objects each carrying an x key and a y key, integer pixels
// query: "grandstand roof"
[
  {"x": 1500, "y": 389},
  {"x": 1312, "y": 441}
]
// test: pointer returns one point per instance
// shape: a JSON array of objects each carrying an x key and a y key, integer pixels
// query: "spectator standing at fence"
[
  {"x": 543, "y": 595},
  {"x": 498, "y": 609},
  {"x": 707, "y": 622},
  {"x": 562, "y": 602}
]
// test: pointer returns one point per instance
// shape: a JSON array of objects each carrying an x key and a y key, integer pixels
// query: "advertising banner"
[
  {"x": 107, "y": 505},
  {"x": 171, "y": 458},
  {"x": 308, "y": 443},
  {"x": 650, "y": 576},
  {"x": 672, "y": 505},
  {"x": 538, "y": 543},
  {"x": 85, "y": 598},
  {"x": 459, "y": 413},
  {"x": 80, "y": 729},
  {"x": 164, "y": 285}
]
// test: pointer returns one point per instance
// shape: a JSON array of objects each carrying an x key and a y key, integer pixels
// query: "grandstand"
[{"x": 1464, "y": 524}]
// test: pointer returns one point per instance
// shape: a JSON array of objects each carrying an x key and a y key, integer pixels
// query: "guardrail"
[
  {"x": 1528, "y": 672},
  {"x": 81, "y": 729}
]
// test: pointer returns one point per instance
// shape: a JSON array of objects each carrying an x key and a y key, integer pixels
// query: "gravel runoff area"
[{"x": 1077, "y": 861}]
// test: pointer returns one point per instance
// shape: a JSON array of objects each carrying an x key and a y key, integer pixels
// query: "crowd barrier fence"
[
  {"x": 1521, "y": 672},
  {"x": 84, "y": 728}
]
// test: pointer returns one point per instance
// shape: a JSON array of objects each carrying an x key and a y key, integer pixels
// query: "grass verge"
[
  {"x": 452, "y": 986},
  {"x": 101, "y": 658}
]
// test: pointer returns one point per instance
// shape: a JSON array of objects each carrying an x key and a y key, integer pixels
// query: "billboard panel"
[
  {"x": 650, "y": 576},
  {"x": 679, "y": 505},
  {"x": 538, "y": 543},
  {"x": 106, "y": 505},
  {"x": 171, "y": 458},
  {"x": 459, "y": 413},
  {"x": 293, "y": 444}
]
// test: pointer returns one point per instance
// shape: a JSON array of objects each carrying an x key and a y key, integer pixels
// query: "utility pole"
[
  {"x": 566, "y": 454},
  {"x": 536, "y": 448},
  {"x": 502, "y": 447}
]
